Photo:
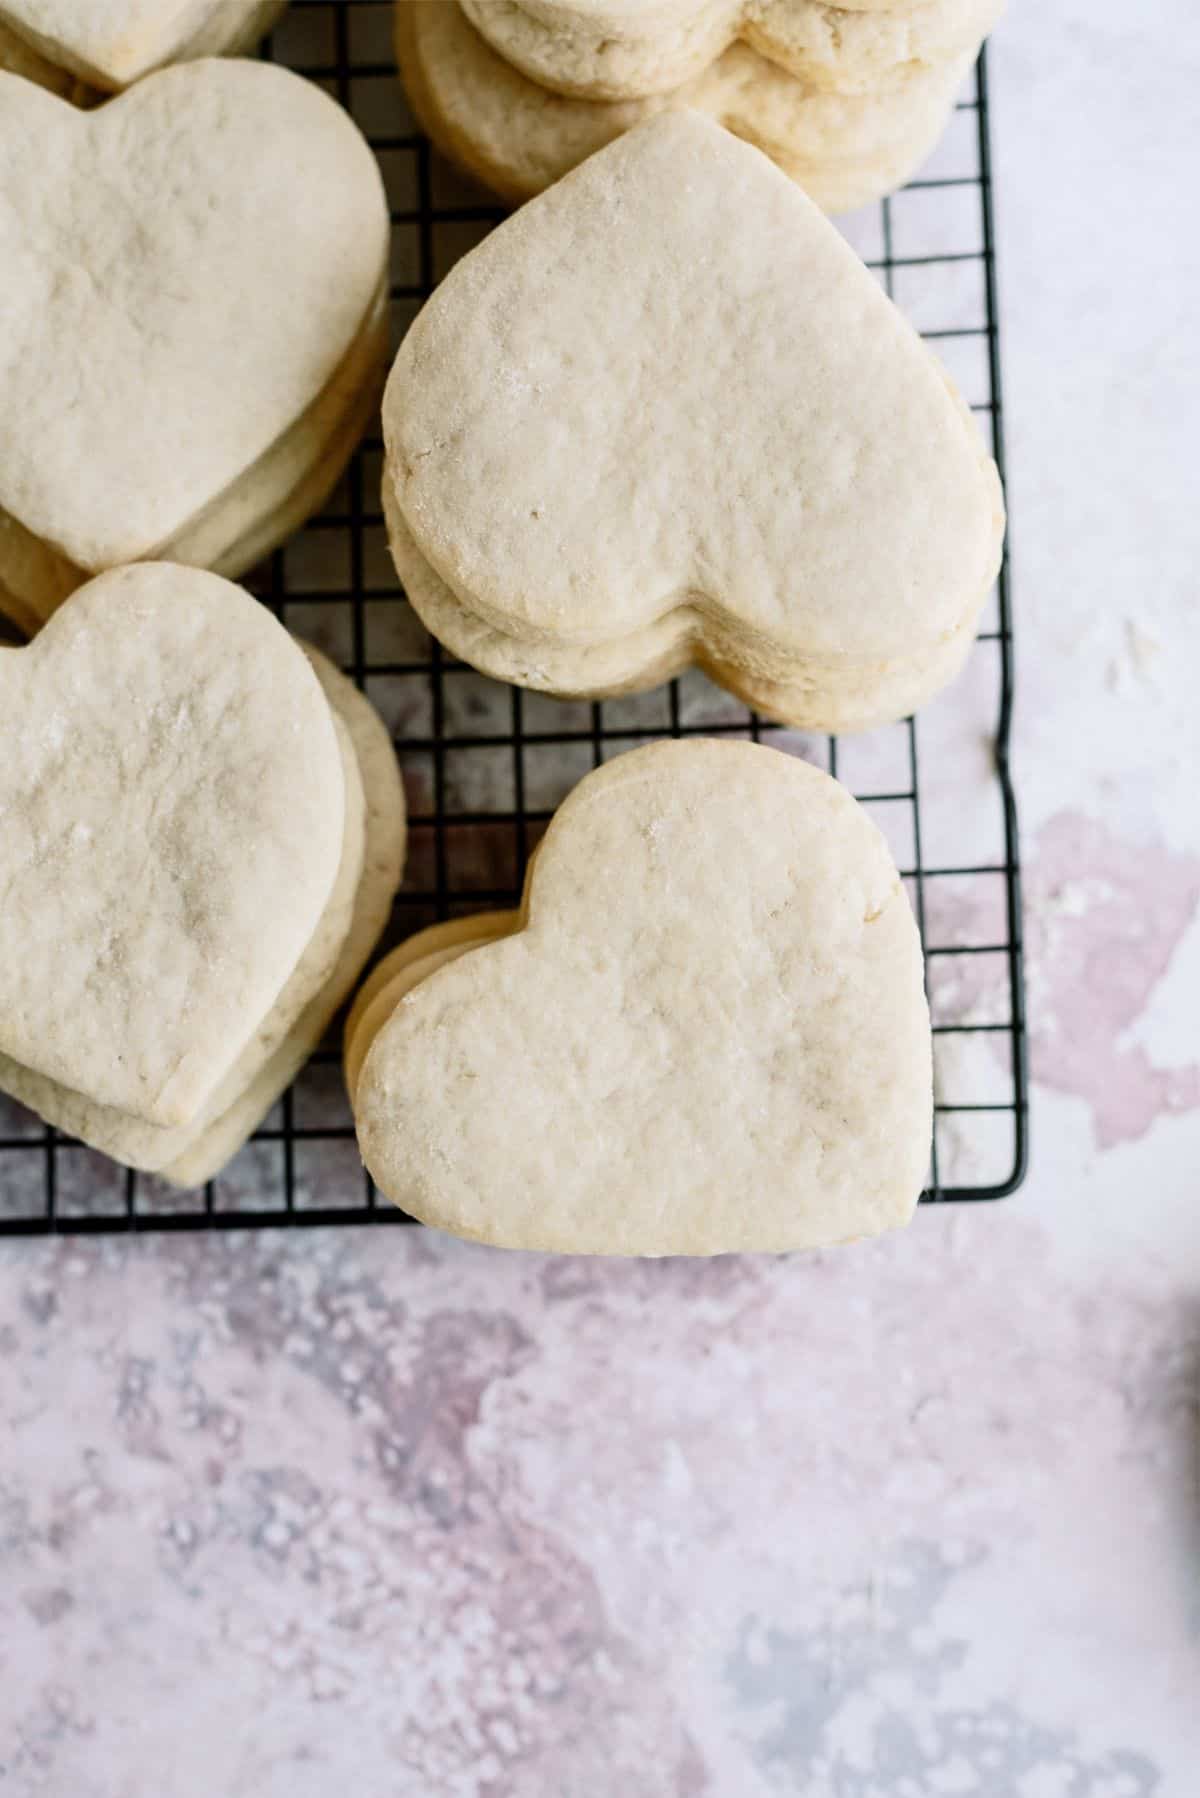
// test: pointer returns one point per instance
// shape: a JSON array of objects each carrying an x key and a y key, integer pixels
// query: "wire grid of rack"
[{"x": 485, "y": 765}]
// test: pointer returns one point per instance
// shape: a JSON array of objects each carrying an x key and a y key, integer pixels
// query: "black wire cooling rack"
[{"x": 486, "y": 765}]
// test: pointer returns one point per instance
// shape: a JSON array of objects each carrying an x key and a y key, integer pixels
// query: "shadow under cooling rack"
[{"x": 486, "y": 765}]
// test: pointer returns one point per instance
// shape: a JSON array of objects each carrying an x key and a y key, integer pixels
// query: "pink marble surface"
[{"x": 389, "y": 1513}]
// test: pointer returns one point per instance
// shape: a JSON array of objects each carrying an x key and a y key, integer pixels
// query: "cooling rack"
[{"x": 486, "y": 765}]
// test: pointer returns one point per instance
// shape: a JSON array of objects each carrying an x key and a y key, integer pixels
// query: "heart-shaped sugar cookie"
[
  {"x": 172, "y": 798},
  {"x": 110, "y": 43},
  {"x": 705, "y": 1032},
  {"x": 186, "y": 271},
  {"x": 663, "y": 414},
  {"x": 610, "y": 50}
]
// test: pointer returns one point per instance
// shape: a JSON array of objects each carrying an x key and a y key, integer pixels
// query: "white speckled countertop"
[{"x": 287, "y": 1517}]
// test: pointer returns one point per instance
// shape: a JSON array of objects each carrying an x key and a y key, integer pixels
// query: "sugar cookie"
[
  {"x": 606, "y": 52},
  {"x": 76, "y": 47}
]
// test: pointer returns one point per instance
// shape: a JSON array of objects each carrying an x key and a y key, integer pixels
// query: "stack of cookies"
[
  {"x": 195, "y": 321},
  {"x": 203, "y": 834},
  {"x": 847, "y": 100},
  {"x": 663, "y": 417},
  {"x": 703, "y": 1031}
]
